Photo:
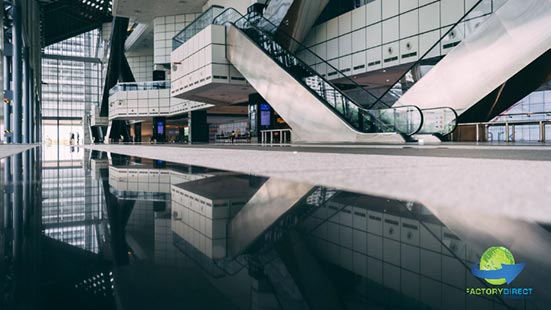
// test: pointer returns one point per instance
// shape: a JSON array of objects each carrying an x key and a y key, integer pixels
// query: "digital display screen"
[
  {"x": 160, "y": 128},
  {"x": 264, "y": 118},
  {"x": 264, "y": 107}
]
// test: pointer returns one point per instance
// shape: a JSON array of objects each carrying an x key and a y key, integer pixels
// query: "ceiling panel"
[{"x": 145, "y": 10}]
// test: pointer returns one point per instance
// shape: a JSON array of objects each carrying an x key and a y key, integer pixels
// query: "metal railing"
[
  {"x": 134, "y": 86},
  {"x": 282, "y": 135}
]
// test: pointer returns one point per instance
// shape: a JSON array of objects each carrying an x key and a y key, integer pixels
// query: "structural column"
[
  {"x": 7, "y": 91},
  {"x": 198, "y": 127},
  {"x": 26, "y": 96},
  {"x": 17, "y": 73}
]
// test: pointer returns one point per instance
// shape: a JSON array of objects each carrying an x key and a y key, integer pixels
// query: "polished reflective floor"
[{"x": 90, "y": 230}]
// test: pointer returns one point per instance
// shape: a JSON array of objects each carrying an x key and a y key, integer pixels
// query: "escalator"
[
  {"x": 493, "y": 64},
  {"x": 316, "y": 109}
]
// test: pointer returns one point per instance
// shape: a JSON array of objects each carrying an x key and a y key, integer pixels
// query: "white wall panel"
[
  {"x": 374, "y": 35},
  {"x": 408, "y": 47},
  {"x": 332, "y": 49},
  {"x": 390, "y": 8},
  {"x": 390, "y": 30},
  {"x": 409, "y": 24},
  {"x": 359, "y": 59},
  {"x": 358, "y": 40},
  {"x": 429, "y": 17},
  {"x": 451, "y": 11},
  {"x": 372, "y": 56},
  {"x": 345, "y": 23},
  {"x": 345, "y": 44},
  {"x": 426, "y": 41},
  {"x": 391, "y": 50},
  {"x": 406, "y": 5},
  {"x": 374, "y": 12},
  {"x": 332, "y": 28},
  {"x": 345, "y": 62},
  {"x": 358, "y": 17}
]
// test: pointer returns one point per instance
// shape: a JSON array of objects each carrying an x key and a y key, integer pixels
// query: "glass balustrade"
[{"x": 134, "y": 86}]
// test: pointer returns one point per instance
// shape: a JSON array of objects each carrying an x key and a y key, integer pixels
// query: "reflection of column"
[
  {"x": 17, "y": 203},
  {"x": 118, "y": 213},
  {"x": 18, "y": 225},
  {"x": 7, "y": 196},
  {"x": 26, "y": 97},
  {"x": 7, "y": 189},
  {"x": 33, "y": 225}
]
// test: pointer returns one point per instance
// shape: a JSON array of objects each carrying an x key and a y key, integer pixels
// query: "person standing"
[{"x": 232, "y": 137}]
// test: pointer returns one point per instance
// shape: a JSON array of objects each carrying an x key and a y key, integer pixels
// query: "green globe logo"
[{"x": 493, "y": 258}]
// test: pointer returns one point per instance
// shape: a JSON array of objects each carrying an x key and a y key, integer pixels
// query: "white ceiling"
[{"x": 145, "y": 10}]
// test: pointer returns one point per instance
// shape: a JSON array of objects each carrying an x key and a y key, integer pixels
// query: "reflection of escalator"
[
  {"x": 315, "y": 109},
  {"x": 501, "y": 61}
]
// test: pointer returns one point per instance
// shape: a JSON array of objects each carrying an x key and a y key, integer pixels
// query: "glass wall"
[
  {"x": 72, "y": 83},
  {"x": 534, "y": 107}
]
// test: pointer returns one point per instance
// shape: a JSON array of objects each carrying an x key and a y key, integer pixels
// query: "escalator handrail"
[
  {"x": 455, "y": 118},
  {"x": 360, "y": 108},
  {"x": 427, "y": 52}
]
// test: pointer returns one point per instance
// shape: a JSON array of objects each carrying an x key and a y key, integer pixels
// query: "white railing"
[{"x": 272, "y": 136}]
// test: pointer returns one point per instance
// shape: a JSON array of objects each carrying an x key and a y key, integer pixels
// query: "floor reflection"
[{"x": 107, "y": 231}]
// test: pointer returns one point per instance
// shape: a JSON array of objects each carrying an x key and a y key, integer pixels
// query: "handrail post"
[
  {"x": 542, "y": 131},
  {"x": 506, "y": 132}
]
